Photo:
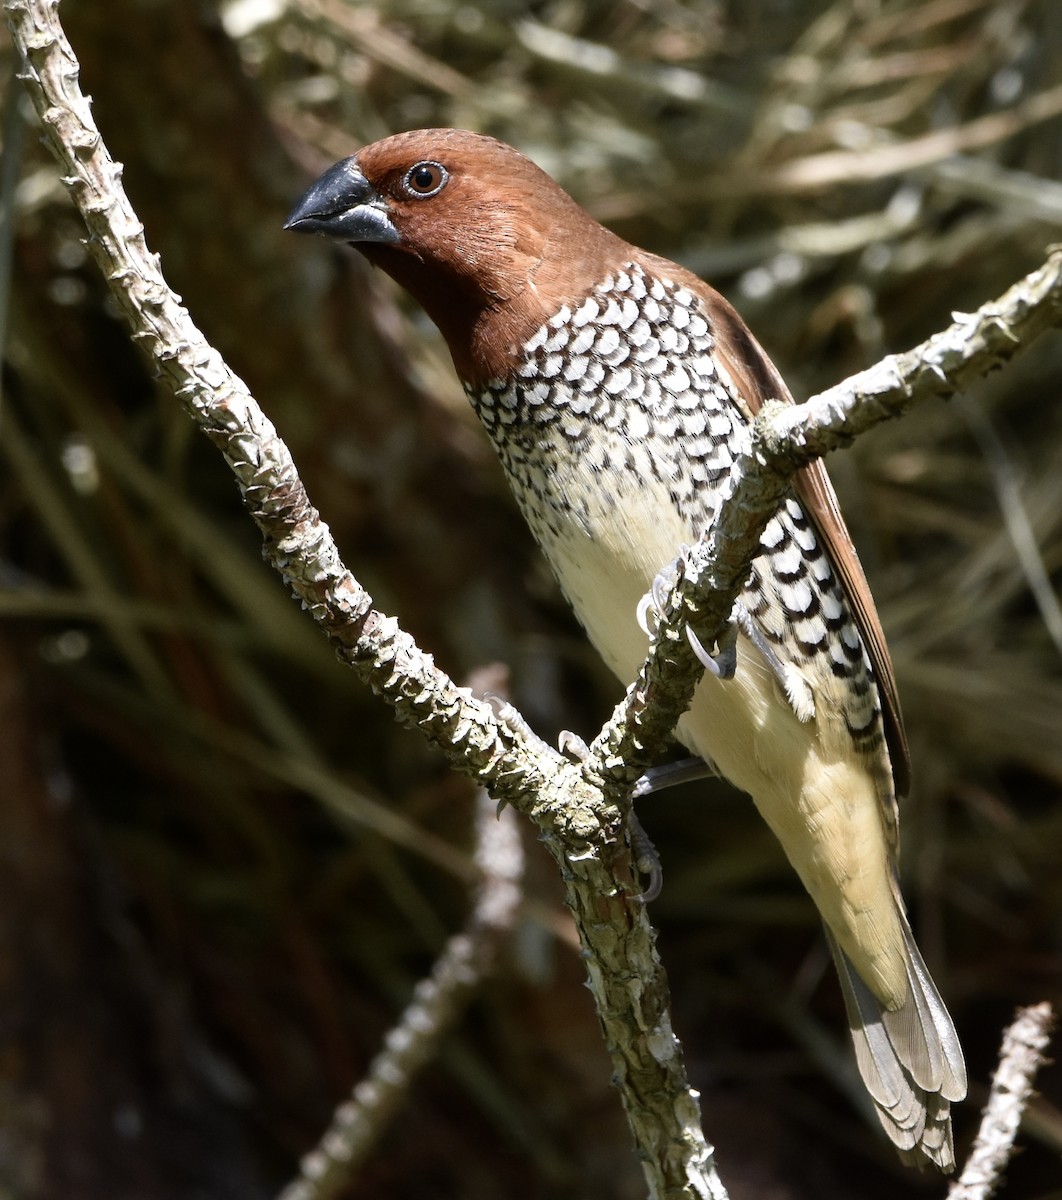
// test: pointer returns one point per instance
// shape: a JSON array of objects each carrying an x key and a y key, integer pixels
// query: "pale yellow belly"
[{"x": 806, "y": 778}]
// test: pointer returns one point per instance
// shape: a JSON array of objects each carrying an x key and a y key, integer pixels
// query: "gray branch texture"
[
  {"x": 1022, "y": 1055},
  {"x": 577, "y": 806}
]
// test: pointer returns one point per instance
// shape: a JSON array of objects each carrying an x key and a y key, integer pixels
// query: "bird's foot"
[
  {"x": 646, "y": 860},
  {"x": 723, "y": 663},
  {"x": 652, "y": 603},
  {"x": 794, "y": 685},
  {"x": 513, "y": 719},
  {"x": 644, "y": 855}
]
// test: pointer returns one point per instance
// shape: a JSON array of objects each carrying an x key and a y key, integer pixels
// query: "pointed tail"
[{"x": 910, "y": 1059}]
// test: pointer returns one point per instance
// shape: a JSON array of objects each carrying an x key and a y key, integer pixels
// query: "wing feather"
[{"x": 749, "y": 365}]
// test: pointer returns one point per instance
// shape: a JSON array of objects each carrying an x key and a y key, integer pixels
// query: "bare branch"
[
  {"x": 576, "y": 805},
  {"x": 581, "y": 827},
  {"x": 298, "y": 543},
  {"x": 1021, "y": 1056},
  {"x": 438, "y": 1001}
]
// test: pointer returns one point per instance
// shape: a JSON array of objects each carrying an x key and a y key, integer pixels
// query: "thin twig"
[
  {"x": 1021, "y": 1056},
  {"x": 438, "y": 1002},
  {"x": 598, "y": 61},
  {"x": 885, "y": 159},
  {"x": 362, "y": 27}
]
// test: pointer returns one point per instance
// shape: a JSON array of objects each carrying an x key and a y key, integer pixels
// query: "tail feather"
[
  {"x": 909, "y": 1058},
  {"x": 952, "y": 1080}
]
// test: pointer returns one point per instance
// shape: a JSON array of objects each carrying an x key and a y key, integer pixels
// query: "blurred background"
[{"x": 204, "y": 934}]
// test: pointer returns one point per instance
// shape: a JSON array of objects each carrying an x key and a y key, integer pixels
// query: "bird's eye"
[{"x": 425, "y": 179}]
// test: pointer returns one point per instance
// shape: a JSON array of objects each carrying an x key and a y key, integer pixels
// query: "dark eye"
[{"x": 426, "y": 178}]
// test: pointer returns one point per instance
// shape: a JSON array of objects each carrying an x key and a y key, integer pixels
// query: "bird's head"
[{"x": 482, "y": 238}]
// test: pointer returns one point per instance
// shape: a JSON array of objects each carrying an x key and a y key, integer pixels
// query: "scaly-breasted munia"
[{"x": 613, "y": 383}]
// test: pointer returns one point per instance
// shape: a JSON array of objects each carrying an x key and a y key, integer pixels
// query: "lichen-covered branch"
[
  {"x": 582, "y": 828},
  {"x": 298, "y": 543},
  {"x": 576, "y": 804}
]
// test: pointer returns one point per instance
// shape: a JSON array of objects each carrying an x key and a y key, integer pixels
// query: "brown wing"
[{"x": 749, "y": 365}]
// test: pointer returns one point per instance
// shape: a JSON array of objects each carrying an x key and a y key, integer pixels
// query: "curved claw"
[
  {"x": 660, "y": 587},
  {"x": 572, "y": 746},
  {"x": 655, "y": 598},
  {"x": 755, "y": 635},
  {"x": 646, "y": 605},
  {"x": 723, "y": 664},
  {"x": 511, "y": 717},
  {"x": 646, "y": 860}
]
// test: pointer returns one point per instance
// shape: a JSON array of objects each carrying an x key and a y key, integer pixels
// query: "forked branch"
[{"x": 577, "y": 805}]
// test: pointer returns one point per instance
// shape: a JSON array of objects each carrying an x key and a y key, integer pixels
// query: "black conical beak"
[{"x": 343, "y": 204}]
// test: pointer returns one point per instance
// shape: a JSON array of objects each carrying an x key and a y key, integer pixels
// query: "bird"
[{"x": 615, "y": 385}]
